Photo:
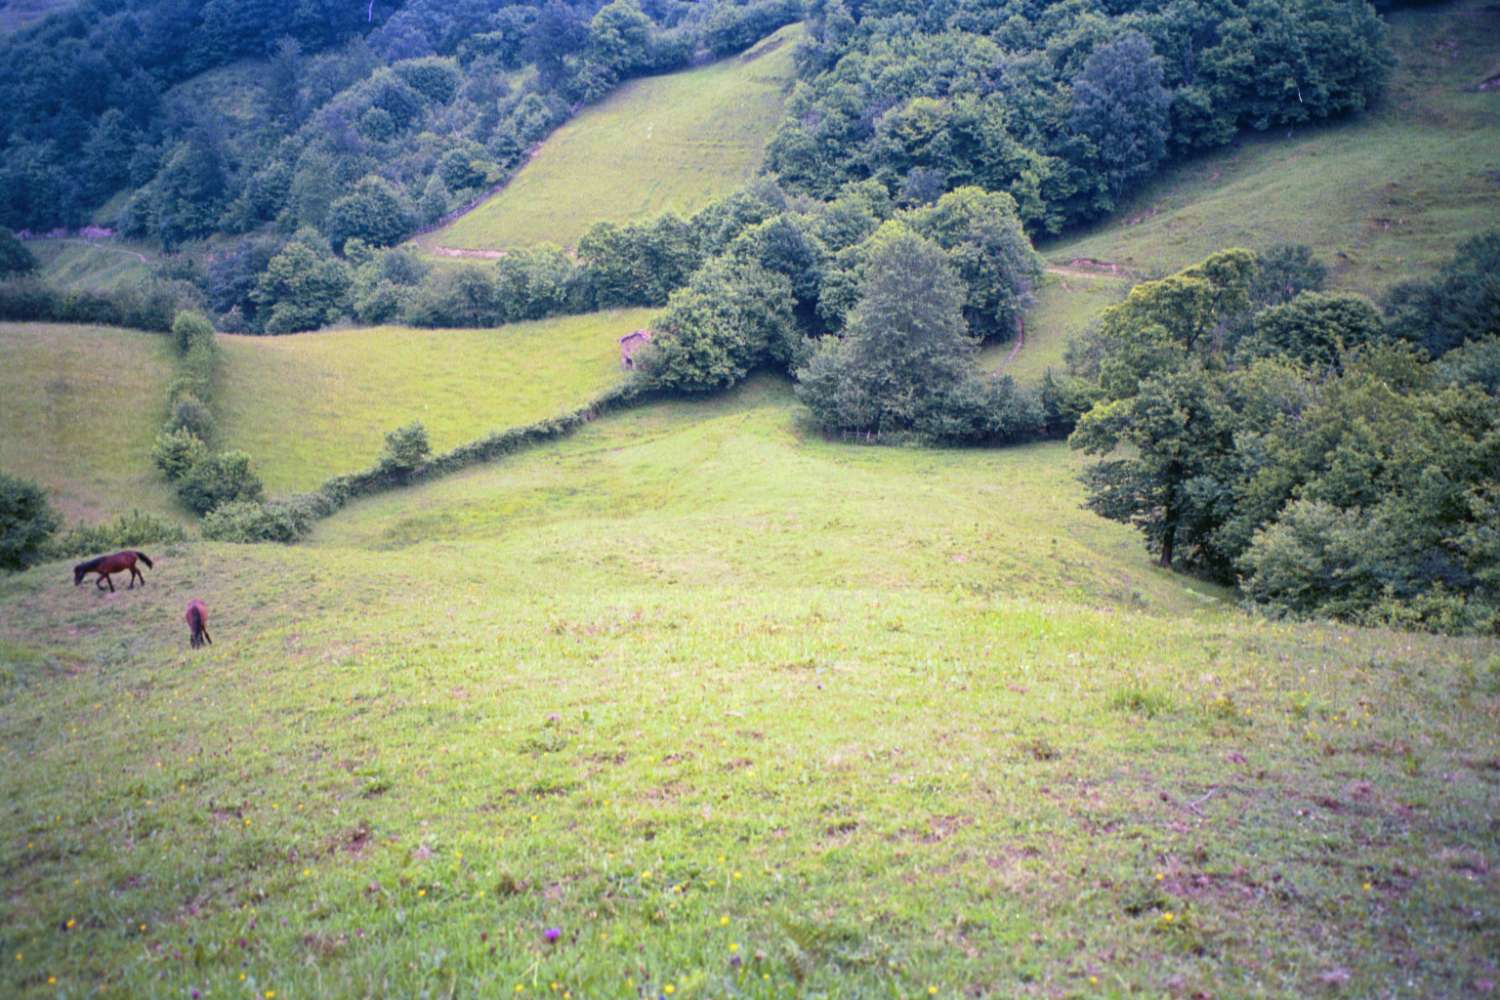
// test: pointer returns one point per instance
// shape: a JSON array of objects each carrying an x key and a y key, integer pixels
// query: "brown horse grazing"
[
  {"x": 197, "y": 619},
  {"x": 117, "y": 563}
]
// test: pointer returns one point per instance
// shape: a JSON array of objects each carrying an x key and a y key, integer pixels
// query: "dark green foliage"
[
  {"x": 1286, "y": 271},
  {"x": 905, "y": 343},
  {"x": 640, "y": 263},
  {"x": 1065, "y": 106},
  {"x": 1314, "y": 329},
  {"x": 1120, "y": 107},
  {"x": 188, "y": 328},
  {"x": 149, "y": 306},
  {"x": 128, "y": 531},
  {"x": 982, "y": 234},
  {"x": 26, "y": 522},
  {"x": 217, "y": 480},
  {"x": 176, "y": 451},
  {"x": 247, "y": 521},
  {"x": 302, "y": 288},
  {"x": 1461, "y": 304},
  {"x": 191, "y": 415},
  {"x": 732, "y": 317},
  {"x": 406, "y": 449},
  {"x": 15, "y": 257},
  {"x": 375, "y": 212},
  {"x": 1331, "y": 471},
  {"x": 1477, "y": 363}
]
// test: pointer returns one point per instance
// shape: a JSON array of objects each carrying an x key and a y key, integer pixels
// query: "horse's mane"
[{"x": 84, "y": 567}]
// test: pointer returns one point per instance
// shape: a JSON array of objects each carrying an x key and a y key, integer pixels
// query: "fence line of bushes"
[
  {"x": 405, "y": 462},
  {"x": 205, "y": 479},
  {"x": 150, "y": 306}
]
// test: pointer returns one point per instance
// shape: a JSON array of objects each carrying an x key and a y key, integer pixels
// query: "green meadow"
[
  {"x": 698, "y": 702},
  {"x": 679, "y": 686},
  {"x": 661, "y": 144},
  {"x": 79, "y": 409},
  {"x": 1383, "y": 197},
  {"x": 311, "y": 406}
]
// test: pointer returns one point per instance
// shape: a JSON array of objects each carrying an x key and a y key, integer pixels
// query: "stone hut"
[{"x": 630, "y": 344}]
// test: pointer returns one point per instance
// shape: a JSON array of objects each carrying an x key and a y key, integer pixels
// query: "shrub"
[
  {"x": 177, "y": 451},
  {"x": 192, "y": 415},
  {"x": 188, "y": 328},
  {"x": 26, "y": 522},
  {"x": 247, "y": 521},
  {"x": 15, "y": 256},
  {"x": 126, "y": 531},
  {"x": 217, "y": 480},
  {"x": 406, "y": 449}
]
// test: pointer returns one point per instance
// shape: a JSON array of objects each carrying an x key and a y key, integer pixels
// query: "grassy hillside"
[
  {"x": 665, "y": 143},
  {"x": 79, "y": 409},
  {"x": 314, "y": 405},
  {"x": 675, "y": 689},
  {"x": 1066, "y": 302},
  {"x": 90, "y": 266},
  {"x": 1383, "y": 197}
]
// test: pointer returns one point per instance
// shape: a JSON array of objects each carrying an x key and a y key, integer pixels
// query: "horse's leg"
[
  {"x": 206, "y": 637},
  {"x": 111, "y": 581},
  {"x": 131, "y": 578}
]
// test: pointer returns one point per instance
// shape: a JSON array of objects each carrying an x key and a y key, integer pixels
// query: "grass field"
[
  {"x": 680, "y": 685},
  {"x": 664, "y": 143},
  {"x": 87, "y": 266},
  {"x": 1383, "y": 197},
  {"x": 315, "y": 405},
  {"x": 79, "y": 409},
  {"x": 1065, "y": 304}
]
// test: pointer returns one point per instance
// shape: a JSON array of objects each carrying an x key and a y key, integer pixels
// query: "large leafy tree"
[
  {"x": 905, "y": 344},
  {"x": 1120, "y": 105},
  {"x": 733, "y": 316}
]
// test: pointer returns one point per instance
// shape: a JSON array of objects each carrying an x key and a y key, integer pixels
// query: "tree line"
[
  {"x": 1068, "y": 106},
  {"x": 1329, "y": 457}
]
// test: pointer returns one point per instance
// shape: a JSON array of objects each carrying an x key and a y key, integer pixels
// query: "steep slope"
[
  {"x": 1382, "y": 197},
  {"x": 79, "y": 409},
  {"x": 665, "y": 143}
]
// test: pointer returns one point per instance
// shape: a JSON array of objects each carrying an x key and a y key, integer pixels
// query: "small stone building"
[{"x": 630, "y": 345}]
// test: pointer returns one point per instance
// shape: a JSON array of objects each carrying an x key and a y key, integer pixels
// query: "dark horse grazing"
[
  {"x": 197, "y": 619},
  {"x": 105, "y": 565}
]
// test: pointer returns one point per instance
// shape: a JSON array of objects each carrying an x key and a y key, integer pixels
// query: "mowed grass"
[
  {"x": 659, "y": 144},
  {"x": 310, "y": 406},
  {"x": 83, "y": 265},
  {"x": 80, "y": 407},
  {"x": 1383, "y": 197},
  {"x": 737, "y": 712}
]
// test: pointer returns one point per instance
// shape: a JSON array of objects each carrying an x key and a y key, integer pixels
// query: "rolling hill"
[
  {"x": 659, "y": 144},
  {"x": 1383, "y": 197},
  {"x": 79, "y": 409},
  {"x": 315, "y": 405},
  {"x": 698, "y": 702}
]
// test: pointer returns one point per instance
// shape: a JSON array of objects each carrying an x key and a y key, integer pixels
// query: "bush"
[
  {"x": 190, "y": 327},
  {"x": 15, "y": 256},
  {"x": 192, "y": 415},
  {"x": 246, "y": 521},
  {"x": 406, "y": 449},
  {"x": 26, "y": 522},
  {"x": 217, "y": 480},
  {"x": 177, "y": 451},
  {"x": 126, "y": 531}
]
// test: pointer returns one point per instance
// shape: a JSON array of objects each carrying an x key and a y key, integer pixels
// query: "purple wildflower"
[{"x": 552, "y": 933}]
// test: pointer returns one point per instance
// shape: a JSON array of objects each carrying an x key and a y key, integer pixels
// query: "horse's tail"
[{"x": 144, "y": 558}]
